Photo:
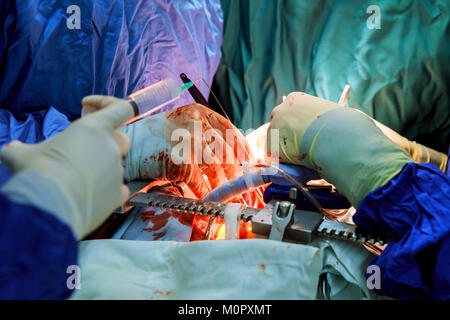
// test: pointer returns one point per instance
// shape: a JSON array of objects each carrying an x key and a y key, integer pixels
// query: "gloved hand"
[
  {"x": 204, "y": 159},
  {"x": 77, "y": 175},
  {"x": 342, "y": 144},
  {"x": 417, "y": 151}
]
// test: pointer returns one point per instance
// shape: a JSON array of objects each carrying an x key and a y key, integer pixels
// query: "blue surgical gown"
[
  {"x": 48, "y": 63},
  {"x": 413, "y": 211},
  {"x": 36, "y": 250},
  {"x": 54, "y": 53}
]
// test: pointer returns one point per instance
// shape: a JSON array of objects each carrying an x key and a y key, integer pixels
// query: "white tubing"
[
  {"x": 237, "y": 186},
  {"x": 232, "y": 215}
]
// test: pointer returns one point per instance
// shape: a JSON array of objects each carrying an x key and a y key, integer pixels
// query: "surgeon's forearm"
[
  {"x": 419, "y": 152},
  {"x": 347, "y": 150},
  {"x": 29, "y": 187},
  {"x": 37, "y": 249}
]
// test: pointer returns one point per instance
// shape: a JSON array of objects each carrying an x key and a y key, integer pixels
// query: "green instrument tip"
[{"x": 186, "y": 85}]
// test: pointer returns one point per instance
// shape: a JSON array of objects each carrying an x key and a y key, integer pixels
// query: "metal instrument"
[{"x": 277, "y": 220}]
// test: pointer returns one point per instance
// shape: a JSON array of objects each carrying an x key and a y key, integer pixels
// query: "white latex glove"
[
  {"x": 77, "y": 175},
  {"x": 342, "y": 144}
]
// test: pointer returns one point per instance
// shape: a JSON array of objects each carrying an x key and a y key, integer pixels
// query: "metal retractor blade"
[
  {"x": 192, "y": 206},
  {"x": 344, "y": 231},
  {"x": 304, "y": 226}
]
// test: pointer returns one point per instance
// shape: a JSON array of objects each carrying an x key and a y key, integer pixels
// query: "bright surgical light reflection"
[{"x": 257, "y": 142}]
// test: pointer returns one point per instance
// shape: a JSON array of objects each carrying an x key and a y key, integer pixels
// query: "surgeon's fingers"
[
  {"x": 13, "y": 154},
  {"x": 98, "y": 102},
  {"x": 114, "y": 114},
  {"x": 122, "y": 141}
]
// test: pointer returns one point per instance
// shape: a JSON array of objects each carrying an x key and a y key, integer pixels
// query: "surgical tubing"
[
  {"x": 238, "y": 186},
  {"x": 256, "y": 179}
]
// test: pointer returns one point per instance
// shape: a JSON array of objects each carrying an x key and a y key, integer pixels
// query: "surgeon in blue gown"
[
  {"x": 60, "y": 191},
  {"x": 52, "y": 54},
  {"x": 45, "y": 199},
  {"x": 407, "y": 203}
]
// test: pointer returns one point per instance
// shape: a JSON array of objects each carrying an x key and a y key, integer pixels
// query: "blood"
[
  {"x": 185, "y": 117},
  {"x": 262, "y": 266},
  {"x": 158, "y": 235},
  {"x": 245, "y": 231},
  {"x": 158, "y": 221},
  {"x": 161, "y": 220},
  {"x": 161, "y": 293},
  {"x": 316, "y": 166},
  {"x": 147, "y": 215},
  {"x": 200, "y": 224},
  {"x": 178, "y": 112}
]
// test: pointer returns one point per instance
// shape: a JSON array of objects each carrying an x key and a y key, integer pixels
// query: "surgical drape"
[
  {"x": 120, "y": 47},
  {"x": 399, "y": 74}
]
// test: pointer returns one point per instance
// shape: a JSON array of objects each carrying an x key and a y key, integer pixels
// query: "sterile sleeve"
[
  {"x": 412, "y": 210},
  {"x": 36, "y": 248}
]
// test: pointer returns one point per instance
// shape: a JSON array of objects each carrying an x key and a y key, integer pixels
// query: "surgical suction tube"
[
  {"x": 238, "y": 186},
  {"x": 256, "y": 179}
]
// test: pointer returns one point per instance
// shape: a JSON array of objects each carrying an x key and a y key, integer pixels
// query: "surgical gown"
[
  {"x": 119, "y": 48},
  {"x": 36, "y": 250},
  {"x": 48, "y": 63},
  {"x": 412, "y": 210}
]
